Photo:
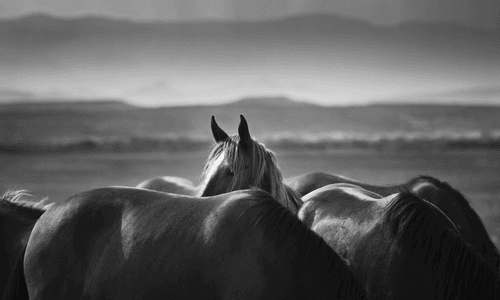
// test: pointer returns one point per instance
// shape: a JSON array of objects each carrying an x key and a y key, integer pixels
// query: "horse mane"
[
  {"x": 264, "y": 163},
  {"x": 282, "y": 229},
  {"x": 16, "y": 197},
  {"x": 457, "y": 269},
  {"x": 464, "y": 204}
]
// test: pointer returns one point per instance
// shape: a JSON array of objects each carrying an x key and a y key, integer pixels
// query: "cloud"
[
  {"x": 158, "y": 86},
  {"x": 154, "y": 93},
  {"x": 13, "y": 94},
  {"x": 481, "y": 93}
]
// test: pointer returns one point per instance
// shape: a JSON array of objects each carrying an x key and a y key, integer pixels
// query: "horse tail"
[{"x": 16, "y": 287}]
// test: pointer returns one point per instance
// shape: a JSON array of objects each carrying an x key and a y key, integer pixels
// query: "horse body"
[
  {"x": 400, "y": 246},
  {"x": 17, "y": 219},
  {"x": 439, "y": 193},
  {"x": 126, "y": 243}
]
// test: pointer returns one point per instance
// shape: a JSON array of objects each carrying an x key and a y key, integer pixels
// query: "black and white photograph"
[{"x": 250, "y": 149}]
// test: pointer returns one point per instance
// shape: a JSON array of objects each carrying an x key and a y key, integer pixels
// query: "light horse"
[
  {"x": 17, "y": 218},
  {"x": 439, "y": 193},
  {"x": 400, "y": 246},
  {"x": 236, "y": 162},
  {"x": 131, "y": 243}
]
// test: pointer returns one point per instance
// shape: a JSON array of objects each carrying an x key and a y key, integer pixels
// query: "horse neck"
[
  {"x": 16, "y": 222},
  {"x": 440, "y": 255},
  {"x": 460, "y": 271},
  {"x": 458, "y": 209},
  {"x": 20, "y": 212}
]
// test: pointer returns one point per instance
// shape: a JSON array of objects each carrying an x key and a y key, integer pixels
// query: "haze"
[{"x": 398, "y": 51}]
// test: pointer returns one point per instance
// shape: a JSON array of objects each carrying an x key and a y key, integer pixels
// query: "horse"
[
  {"x": 308, "y": 182},
  {"x": 400, "y": 246},
  {"x": 17, "y": 218},
  {"x": 439, "y": 193},
  {"x": 235, "y": 162},
  {"x": 131, "y": 243}
]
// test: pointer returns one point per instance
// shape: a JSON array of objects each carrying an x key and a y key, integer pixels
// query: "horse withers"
[
  {"x": 400, "y": 246},
  {"x": 17, "y": 218},
  {"x": 236, "y": 162},
  {"x": 441, "y": 194},
  {"x": 129, "y": 243}
]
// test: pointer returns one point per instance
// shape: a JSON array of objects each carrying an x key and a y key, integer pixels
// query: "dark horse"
[
  {"x": 439, "y": 193},
  {"x": 130, "y": 243},
  {"x": 17, "y": 218},
  {"x": 236, "y": 162},
  {"x": 400, "y": 246}
]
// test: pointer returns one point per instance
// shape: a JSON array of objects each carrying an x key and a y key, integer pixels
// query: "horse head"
[{"x": 239, "y": 162}]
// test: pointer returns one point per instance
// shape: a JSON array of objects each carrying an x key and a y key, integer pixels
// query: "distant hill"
[
  {"x": 43, "y": 32},
  {"x": 320, "y": 24}
]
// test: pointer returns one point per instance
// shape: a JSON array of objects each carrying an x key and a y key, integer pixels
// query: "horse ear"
[
  {"x": 243, "y": 132},
  {"x": 219, "y": 134}
]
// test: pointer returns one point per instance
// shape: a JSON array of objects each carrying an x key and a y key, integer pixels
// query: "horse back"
[
  {"x": 170, "y": 184},
  {"x": 133, "y": 243},
  {"x": 339, "y": 212},
  {"x": 306, "y": 183}
]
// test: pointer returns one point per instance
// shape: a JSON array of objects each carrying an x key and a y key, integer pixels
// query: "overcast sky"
[
  {"x": 475, "y": 13},
  {"x": 203, "y": 72}
]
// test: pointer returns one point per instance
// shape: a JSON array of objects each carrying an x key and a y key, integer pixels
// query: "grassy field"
[{"x": 474, "y": 173}]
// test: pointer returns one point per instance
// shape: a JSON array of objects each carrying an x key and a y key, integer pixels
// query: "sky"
[
  {"x": 474, "y": 13},
  {"x": 192, "y": 74}
]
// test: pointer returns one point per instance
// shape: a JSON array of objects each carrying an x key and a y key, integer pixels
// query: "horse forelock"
[
  {"x": 457, "y": 269},
  {"x": 282, "y": 230},
  {"x": 264, "y": 169}
]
